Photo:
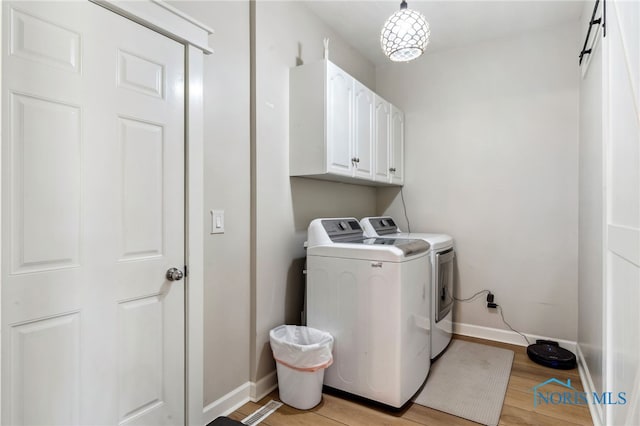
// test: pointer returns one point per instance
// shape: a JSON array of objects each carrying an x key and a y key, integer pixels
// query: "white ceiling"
[{"x": 453, "y": 23}]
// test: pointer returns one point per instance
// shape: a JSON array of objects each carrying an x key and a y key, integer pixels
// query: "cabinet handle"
[
  {"x": 392, "y": 169},
  {"x": 357, "y": 160}
]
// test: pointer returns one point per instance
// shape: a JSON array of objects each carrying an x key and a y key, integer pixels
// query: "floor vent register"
[{"x": 262, "y": 413}]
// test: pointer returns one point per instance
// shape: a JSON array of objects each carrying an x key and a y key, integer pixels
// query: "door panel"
[
  {"x": 140, "y": 74},
  {"x": 140, "y": 335},
  {"x": 339, "y": 119},
  {"x": 51, "y": 241},
  {"x": 41, "y": 40},
  {"x": 48, "y": 392},
  {"x": 396, "y": 171},
  {"x": 382, "y": 139},
  {"x": 93, "y": 216},
  {"x": 622, "y": 135},
  {"x": 363, "y": 125},
  {"x": 142, "y": 176}
]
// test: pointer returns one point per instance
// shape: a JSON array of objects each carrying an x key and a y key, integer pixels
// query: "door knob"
[{"x": 174, "y": 274}]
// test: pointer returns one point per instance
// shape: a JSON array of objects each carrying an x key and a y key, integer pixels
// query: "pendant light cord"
[{"x": 404, "y": 206}]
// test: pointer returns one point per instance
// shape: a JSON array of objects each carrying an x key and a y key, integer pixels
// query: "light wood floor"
[{"x": 517, "y": 410}]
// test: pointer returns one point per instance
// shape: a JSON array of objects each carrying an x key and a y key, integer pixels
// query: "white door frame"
[{"x": 176, "y": 25}]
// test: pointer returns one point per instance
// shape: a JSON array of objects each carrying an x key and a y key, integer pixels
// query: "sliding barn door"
[
  {"x": 92, "y": 218},
  {"x": 622, "y": 133}
]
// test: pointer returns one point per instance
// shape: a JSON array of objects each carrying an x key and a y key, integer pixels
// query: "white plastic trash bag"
[
  {"x": 301, "y": 348},
  {"x": 301, "y": 354}
]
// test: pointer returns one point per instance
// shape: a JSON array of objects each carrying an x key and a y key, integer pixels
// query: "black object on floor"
[
  {"x": 225, "y": 421},
  {"x": 550, "y": 354}
]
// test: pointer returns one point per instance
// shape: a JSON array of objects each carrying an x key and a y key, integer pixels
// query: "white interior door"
[
  {"x": 92, "y": 218},
  {"x": 622, "y": 133}
]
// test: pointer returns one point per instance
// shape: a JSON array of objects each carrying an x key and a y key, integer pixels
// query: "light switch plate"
[{"x": 217, "y": 221}]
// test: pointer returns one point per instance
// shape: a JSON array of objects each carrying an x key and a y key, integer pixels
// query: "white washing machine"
[
  {"x": 372, "y": 295},
  {"x": 441, "y": 255}
]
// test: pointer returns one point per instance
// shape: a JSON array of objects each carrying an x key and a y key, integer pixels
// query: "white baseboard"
[
  {"x": 587, "y": 382},
  {"x": 250, "y": 391},
  {"x": 227, "y": 404},
  {"x": 505, "y": 336},
  {"x": 263, "y": 387}
]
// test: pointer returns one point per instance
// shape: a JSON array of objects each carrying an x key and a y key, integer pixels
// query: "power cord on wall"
[
  {"x": 508, "y": 325},
  {"x": 404, "y": 206},
  {"x": 469, "y": 299},
  {"x": 491, "y": 304}
]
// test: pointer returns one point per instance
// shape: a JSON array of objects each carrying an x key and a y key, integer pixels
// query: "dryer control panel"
[{"x": 384, "y": 225}]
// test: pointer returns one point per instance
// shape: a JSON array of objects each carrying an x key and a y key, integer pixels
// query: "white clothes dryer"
[
  {"x": 441, "y": 255},
  {"x": 372, "y": 295}
]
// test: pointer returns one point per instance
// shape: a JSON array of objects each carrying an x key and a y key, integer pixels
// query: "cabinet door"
[
  {"x": 339, "y": 119},
  {"x": 382, "y": 138},
  {"x": 396, "y": 165},
  {"x": 363, "y": 131}
]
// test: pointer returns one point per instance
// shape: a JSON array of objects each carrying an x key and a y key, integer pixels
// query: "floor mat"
[{"x": 470, "y": 381}]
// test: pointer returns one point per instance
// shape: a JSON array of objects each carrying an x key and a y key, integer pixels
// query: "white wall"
[
  {"x": 590, "y": 249},
  {"x": 492, "y": 159},
  {"x": 227, "y": 186},
  {"x": 287, "y": 34}
]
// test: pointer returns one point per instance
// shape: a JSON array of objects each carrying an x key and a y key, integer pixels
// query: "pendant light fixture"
[{"x": 405, "y": 35}]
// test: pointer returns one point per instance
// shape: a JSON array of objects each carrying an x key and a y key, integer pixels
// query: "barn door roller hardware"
[{"x": 586, "y": 49}]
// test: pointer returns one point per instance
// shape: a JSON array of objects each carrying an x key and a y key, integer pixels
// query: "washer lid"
[
  {"x": 374, "y": 249},
  {"x": 408, "y": 246}
]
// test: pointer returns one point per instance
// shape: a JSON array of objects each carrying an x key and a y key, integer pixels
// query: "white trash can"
[{"x": 301, "y": 354}]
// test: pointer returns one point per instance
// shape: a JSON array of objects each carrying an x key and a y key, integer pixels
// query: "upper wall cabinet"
[
  {"x": 388, "y": 143},
  {"x": 396, "y": 147},
  {"x": 338, "y": 131},
  {"x": 362, "y": 131}
]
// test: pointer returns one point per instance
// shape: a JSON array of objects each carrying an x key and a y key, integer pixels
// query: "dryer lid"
[
  {"x": 385, "y": 226},
  {"x": 437, "y": 242}
]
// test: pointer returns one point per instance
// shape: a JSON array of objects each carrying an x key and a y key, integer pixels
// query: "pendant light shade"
[{"x": 405, "y": 35}]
